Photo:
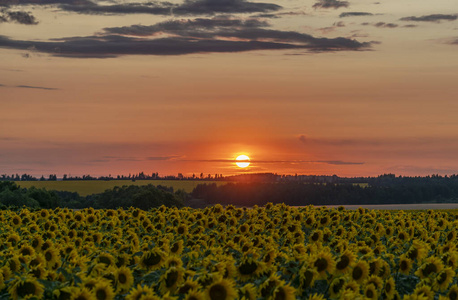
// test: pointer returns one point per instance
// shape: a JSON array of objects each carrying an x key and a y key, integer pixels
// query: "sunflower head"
[
  {"x": 222, "y": 289},
  {"x": 25, "y": 288}
]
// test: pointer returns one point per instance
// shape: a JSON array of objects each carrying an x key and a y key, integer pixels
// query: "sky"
[{"x": 352, "y": 88}]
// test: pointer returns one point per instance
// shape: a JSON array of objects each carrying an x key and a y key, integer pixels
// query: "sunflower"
[
  {"x": 424, "y": 291},
  {"x": 248, "y": 292},
  {"x": 194, "y": 295},
  {"x": 417, "y": 251},
  {"x": 266, "y": 288},
  {"x": 39, "y": 272},
  {"x": 249, "y": 267},
  {"x": 26, "y": 287},
  {"x": 316, "y": 236},
  {"x": 430, "y": 265},
  {"x": 222, "y": 289},
  {"x": 443, "y": 279},
  {"x": 124, "y": 279},
  {"x": 82, "y": 294},
  {"x": 370, "y": 292},
  {"x": 343, "y": 265},
  {"x": 171, "y": 279},
  {"x": 389, "y": 288},
  {"x": 14, "y": 264},
  {"x": 51, "y": 256},
  {"x": 284, "y": 292},
  {"x": 152, "y": 260},
  {"x": 307, "y": 277},
  {"x": 187, "y": 286},
  {"x": 177, "y": 247},
  {"x": 139, "y": 292},
  {"x": 405, "y": 264},
  {"x": 103, "y": 290},
  {"x": 376, "y": 281},
  {"x": 316, "y": 297},
  {"x": 360, "y": 271},
  {"x": 324, "y": 263},
  {"x": 336, "y": 287},
  {"x": 453, "y": 292}
]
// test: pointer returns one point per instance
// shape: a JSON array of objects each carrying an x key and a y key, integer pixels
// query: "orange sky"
[{"x": 306, "y": 87}]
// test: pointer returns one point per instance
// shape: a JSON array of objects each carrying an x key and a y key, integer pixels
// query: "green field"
[{"x": 88, "y": 187}]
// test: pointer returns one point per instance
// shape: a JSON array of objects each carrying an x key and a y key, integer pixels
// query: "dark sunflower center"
[
  {"x": 404, "y": 265},
  {"x": 25, "y": 251},
  {"x": 369, "y": 293},
  {"x": 122, "y": 278},
  {"x": 336, "y": 287},
  {"x": 175, "y": 248},
  {"x": 280, "y": 294},
  {"x": 26, "y": 288},
  {"x": 152, "y": 259},
  {"x": 343, "y": 262},
  {"x": 180, "y": 230},
  {"x": 413, "y": 254},
  {"x": 48, "y": 256},
  {"x": 453, "y": 295},
  {"x": 388, "y": 287},
  {"x": 321, "y": 264},
  {"x": 315, "y": 237},
  {"x": 171, "y": 279},
  {"x": 248, "y": 268},
  {"x": 105, "y": 260},
  {"x": 442, "y": 278},
  {"x": 357, "y": 273},
  {"x": 184, "y": 289},
  {"x": 101, "y": 294},
  {"x": 429, "y": 268},
  {"x": 218, "y": 292}
]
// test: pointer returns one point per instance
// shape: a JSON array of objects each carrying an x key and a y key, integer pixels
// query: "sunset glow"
[{"x": 352, "y": 88}]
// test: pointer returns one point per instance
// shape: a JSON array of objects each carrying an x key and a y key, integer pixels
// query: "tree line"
[
  {"x": 144, "y": 197},
  {"x": 300, "y": 193}
]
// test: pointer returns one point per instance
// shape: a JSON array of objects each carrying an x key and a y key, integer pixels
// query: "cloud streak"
[
  {"x": 431, "y": 18},
  {"x": 179, "y": 37},
  {"x": 331, "y": 4},
  {"x": 355, "y": 14},
  {"x": 188, "y": 7}
]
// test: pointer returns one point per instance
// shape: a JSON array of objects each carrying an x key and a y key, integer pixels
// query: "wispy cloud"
[
  {"x": 431, "y": 18},
  {"x": 355, "y": 14},
  {"x": 36, "y": 87},
  {"x": 381, "y": 25},
  {"x": 331, "y": 4},
  {"x": 180, "y": 37}
]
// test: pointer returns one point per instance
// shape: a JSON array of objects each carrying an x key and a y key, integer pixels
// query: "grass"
[{"x": 88, "y": 187}]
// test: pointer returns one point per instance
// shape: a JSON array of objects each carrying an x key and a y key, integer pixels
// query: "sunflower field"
[{"x": 271, "y": 252}]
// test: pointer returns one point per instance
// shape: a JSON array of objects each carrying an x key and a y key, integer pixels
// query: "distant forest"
[{"x": 250, "y": 190}]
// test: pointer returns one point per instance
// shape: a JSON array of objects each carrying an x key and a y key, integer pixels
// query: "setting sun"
[{"x": 243, "y": 161}]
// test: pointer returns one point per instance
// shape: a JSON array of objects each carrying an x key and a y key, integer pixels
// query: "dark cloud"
[
  {"x": 20, "y": 17},
  {"x": 431, "y": 18},
  {"x": 331, "y": 4},
  {"x": 188, "y": 7},
  {"x": 381, "y": 24},
  {"x": 410, "y": 26},
  {"x": 36, "y": 87},
  {"x": 355, "y": 14},
  {"x": 185, "y": 37},
  {"x": 223, "y": 6}
]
